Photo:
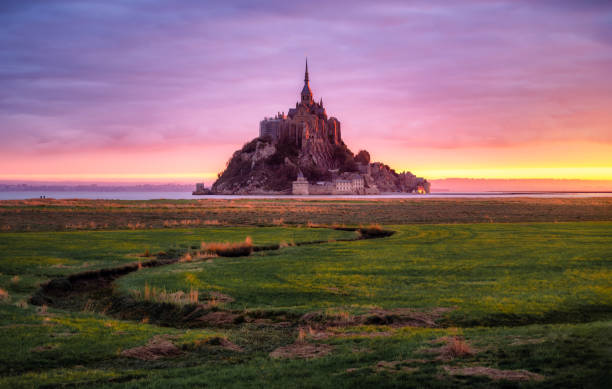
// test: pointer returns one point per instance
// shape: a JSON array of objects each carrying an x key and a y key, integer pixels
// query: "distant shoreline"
[{"x": 187, "y": 195}]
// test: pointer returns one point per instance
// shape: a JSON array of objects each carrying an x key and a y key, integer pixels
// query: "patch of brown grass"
[
  {"x": 218, "y": 341},
  {"x": 43, "y": 348},
  {"x": 302, "y": 350},
  {"x": 22, "y": 303},
  {"x": 160, "y": 295},
  {"x": 228, "y": 249},
  {"x": 373, "y": 231},
  {"x": 284, "y": 244},
  {"x": 220, "y": 298},
  {"x": 42, "y": 310},
  {"x": 398, "y": 366},
  {"x": 301, "y": 338},
  {"x": 494, "y": 374},
  {"x": 220, "y": 319},
  {"x": 4, "y": 295},
  {"x": 454, "y": 347},
  {"x": 457, "y": 348},
  {"x": 158, "y": 347}
]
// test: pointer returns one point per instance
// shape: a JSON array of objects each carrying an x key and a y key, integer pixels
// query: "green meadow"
[
  {"x": 489, "y": 305},
  {"x": 485, "y": 272}
]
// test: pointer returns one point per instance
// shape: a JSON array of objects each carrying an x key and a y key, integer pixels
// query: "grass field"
[
  {"x": 489, "y": 272},
  {"x": 62, "y": 215},
  {"x": 471, "y": 305}
]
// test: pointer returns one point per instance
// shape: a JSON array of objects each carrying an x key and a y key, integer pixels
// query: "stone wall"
[{"x": 300, "y": 188}]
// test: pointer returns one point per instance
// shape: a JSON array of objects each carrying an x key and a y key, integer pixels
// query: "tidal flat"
[{"x": 460, "y": 293}]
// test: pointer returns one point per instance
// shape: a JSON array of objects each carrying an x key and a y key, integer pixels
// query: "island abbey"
[
  {"x": 304, "y": 124},
  {"x": 302, "y": 153}
]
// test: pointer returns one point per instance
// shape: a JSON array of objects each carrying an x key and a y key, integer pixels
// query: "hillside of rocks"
[{"x": 264, "y": 167}]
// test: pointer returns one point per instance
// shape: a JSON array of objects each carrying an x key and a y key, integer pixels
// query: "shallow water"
[{"x": 187, "y": 195}]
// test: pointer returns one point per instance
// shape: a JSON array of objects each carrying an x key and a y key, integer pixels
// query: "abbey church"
[{"x": 304, "y": 124}]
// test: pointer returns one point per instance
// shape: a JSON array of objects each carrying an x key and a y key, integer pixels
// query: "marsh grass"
[
  {"x": 558, "y": 273},
  {"x": 301, "y": 336},
  {"x": 161, "y": 295},
  {"x": 478, "y": 269},
  {"x": 373, "y": 231},
  {"x": 455, "y": 347},
  {"x": 54, "y": 215},
  {"x": 228, "y": 249},
  {"x": 4, "y": 295}
]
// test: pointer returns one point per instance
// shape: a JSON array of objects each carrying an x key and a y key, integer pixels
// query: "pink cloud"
[{"x": 115, "y": 77}]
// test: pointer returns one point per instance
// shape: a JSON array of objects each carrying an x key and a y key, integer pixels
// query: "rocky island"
[{"x": 302, "y": 152}]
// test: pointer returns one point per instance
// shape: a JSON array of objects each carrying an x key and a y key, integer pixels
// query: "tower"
[{"x": 306, "y": 92}]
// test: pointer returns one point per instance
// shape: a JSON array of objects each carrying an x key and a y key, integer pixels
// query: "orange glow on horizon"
[
  {"x": 577, "y": 160},
  {"x": 520, "y": 173},
  {"x": 542, "y": 173}
]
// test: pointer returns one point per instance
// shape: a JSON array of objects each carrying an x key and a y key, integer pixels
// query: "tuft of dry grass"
[
  {"x": 228, "y": 249},
  {"x": 4, "y": 295},
  {"x": 213, "y": 302},
  {"x": 284, "y": 244},
  {"x": 454, "y": 347},
  {"x": 373, "y": 231},
  {"x": 162, "y": 296},
  {"x": 341, "y": 317},
  {"x": 21, "y": 304},
  {"x": 194, "y": 296},
  {"x": 301, "y": 338},
  {"x": 457, "y": 348},
  {"x": 494, "y": 374}
]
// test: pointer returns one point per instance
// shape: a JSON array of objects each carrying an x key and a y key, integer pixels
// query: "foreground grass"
[
  {"x": 79, "y": 349},
  {"x": 530, "y": 297}
]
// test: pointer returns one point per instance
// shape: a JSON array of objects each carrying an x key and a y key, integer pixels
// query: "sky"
[{"x": 166, "y": 91}]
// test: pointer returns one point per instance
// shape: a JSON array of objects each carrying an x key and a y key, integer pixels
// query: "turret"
[{"x": 306, "y": 92}]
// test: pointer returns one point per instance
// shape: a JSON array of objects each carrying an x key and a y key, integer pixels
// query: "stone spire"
[{"x": 306, "y": 92}]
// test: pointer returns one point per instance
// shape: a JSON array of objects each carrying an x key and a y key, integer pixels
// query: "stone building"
[
  {"x": 353, "y": 184},
  {"x": 345, "y": 186},
  {"x": 305, "y": 124}
]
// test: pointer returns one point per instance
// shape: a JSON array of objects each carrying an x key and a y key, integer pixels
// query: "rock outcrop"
[{"x": 265, "y": 167}]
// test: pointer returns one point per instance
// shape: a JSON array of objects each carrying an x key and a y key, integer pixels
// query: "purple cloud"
[{"x": 112, "y": 74}]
